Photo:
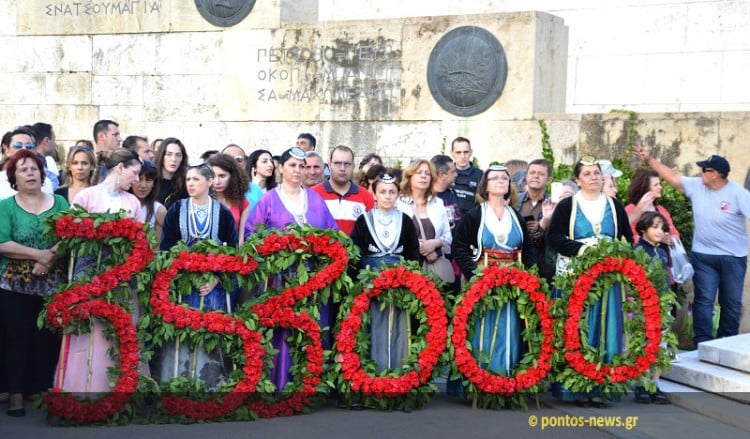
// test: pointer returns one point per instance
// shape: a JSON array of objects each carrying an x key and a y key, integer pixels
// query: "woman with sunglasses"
[
  {"x": 291, "y": 204},
  {"x": 21, "y": 138},
  {"x": 171, "y": 166},
  {"x": 494, "y": 233},
  {"x": 190, "y": 220},
  {"x": 145, "y": 189},
  {"x": 580, "y": 222},
  {"x": 29, "y": 271},
  {"x": 230, "y": 182},
  {"x": 262, "y": 178},
  {"x": 80, "y": 172},
  {"x": 85, "y": 357}
]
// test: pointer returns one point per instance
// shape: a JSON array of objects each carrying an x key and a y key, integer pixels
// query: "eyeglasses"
[
  {"x": 239, "y": 159},
  {"x": 497, "y": 167},
  {"x": 342, "y": 164},
  {"x": 19, "y": 145},
  {"x": 587, "y": 160},
  {"x": 705, "y": 170}
]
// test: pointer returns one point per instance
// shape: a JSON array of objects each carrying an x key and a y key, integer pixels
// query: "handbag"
[
  {"x": 441, "y": 267},
  {"x": 682, "y": 270}
]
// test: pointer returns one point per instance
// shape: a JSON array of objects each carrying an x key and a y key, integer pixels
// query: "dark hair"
[
  {"x": 378, "y": 181},
  {"x": 252, "y": 161},
  {"x": 121, "y": 155},
  {"x": 441, "y": 162},
  {"x": 367, "y": 159},
  {"x": 102, "y": 126},
  {"x": 131, "y": 142},
  {"x": 580, "y": 164},
  {"x": 238, "y": 179},
  {"x": 309, "y": 137},
  {"x": 640, "y": 183},
  {"x": 6, "y": 139},
  {"x": 22, "y": 130},
  {"x": 85, "y": 142},
  {"x": 397, "y": 173},
  {"x": 541, "y": 162},
  {"x": 647, "y": 220},
  {"x": 208, "y": 154},
  {"x": 460, "y": 139},
  {"x": 42, "y": 130},
  {"x": 341, "y": 148},
  {"x": 148, "y": 170},
  {"x": 373, "y": 173},
  {"x": 178, "y": 179},
  {"x": 19, "y": 157},
  {"x": 482, "y": 194}
]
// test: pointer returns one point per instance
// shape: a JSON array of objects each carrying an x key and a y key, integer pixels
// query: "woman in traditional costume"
[
  {"x": 190, "y": 220},
  {"x": 84, "y": 358},
  {"x": 580, "y": 222},
  {"x": 494, "y": 233},
  {"x": 288, "y": 204},
  {"x": 384, "y": 236}
]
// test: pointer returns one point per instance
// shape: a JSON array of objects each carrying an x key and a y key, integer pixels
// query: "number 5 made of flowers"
[
  {"x": 81, "y": 301},
  {"x": 213, "y": 322}
]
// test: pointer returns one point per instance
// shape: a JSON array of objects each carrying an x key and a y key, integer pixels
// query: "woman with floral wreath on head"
[
  {"x": 190, "y": 220},
  {"x": 384, "y": 236},
  {"x": 288, "y": 204},
  {"x": 494, "y": 233},
  {"x": 580, "y": 222}
]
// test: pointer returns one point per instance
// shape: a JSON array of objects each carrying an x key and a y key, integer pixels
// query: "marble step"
[
  {"x": 693, "y": 372},
  {"x": 733, "y": 352}
]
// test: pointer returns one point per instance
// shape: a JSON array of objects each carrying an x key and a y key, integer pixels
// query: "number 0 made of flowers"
[
  {"x": 83, "y": 301},
  {"x": 602, "y": 373},
  {"x": 215, "y": 322},
  {"x": 436, "y": 339},
  {"x": 491, "y": 281}
]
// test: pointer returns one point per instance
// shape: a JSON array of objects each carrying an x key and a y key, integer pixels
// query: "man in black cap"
[{"x": 719, "y": 255}]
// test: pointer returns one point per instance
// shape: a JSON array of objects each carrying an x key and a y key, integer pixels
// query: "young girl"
[
  {"x": 651, "y": 228},
  {"x": 146, "y": 191}
]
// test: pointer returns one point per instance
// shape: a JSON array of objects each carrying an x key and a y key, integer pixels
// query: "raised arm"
[{"x": 665, "y": 172}]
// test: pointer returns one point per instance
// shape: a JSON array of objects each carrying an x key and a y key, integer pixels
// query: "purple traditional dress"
[{"x": 275, "y": 211}]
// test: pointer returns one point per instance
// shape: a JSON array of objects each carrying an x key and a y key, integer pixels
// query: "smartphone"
[{"x": 557, "y": 189}]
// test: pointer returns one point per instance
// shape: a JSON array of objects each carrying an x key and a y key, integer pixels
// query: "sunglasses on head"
[
  {"x": 239, "y": 159},
  {"x": 19, "y": 145},
  {"x": 497, "y": 167}
]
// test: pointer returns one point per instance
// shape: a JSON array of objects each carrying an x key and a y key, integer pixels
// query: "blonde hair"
[{"x": 409, "y": 173}]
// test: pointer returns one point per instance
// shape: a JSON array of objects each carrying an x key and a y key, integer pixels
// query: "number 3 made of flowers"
[
  {"x": 83, "y": 301},
  {"x": 277, "y": 311}
]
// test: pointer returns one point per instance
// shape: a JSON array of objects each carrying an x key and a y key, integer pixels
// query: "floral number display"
[
  {"x": 510, "y": 283},
  {"x": 80, "y": 302},
  {"x": 642, "y": 359},
  {"x": 278, "y": 310},
  {"x": 215, "y": 322},
  {"x": 413, "y": 374}
]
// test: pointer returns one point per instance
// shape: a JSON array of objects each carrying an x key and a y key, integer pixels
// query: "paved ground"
[{"x": 444, "y": 417}]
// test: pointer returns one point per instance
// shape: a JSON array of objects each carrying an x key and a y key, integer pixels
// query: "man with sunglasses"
[{"x": 721, "y": 209}]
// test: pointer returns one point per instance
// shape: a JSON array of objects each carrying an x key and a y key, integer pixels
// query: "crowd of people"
[{"x": 444, "y": 213}]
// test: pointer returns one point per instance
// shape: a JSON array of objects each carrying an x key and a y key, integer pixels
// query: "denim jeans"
[{"x": 727, "y": 275}]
